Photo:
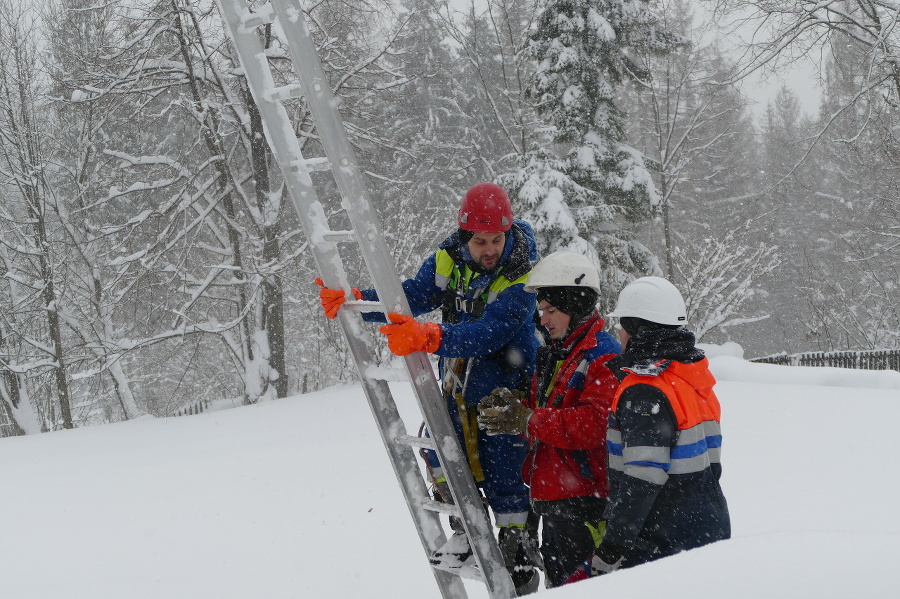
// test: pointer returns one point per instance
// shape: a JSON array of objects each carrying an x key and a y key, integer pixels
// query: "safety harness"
[{"x": 455, "y": 277}]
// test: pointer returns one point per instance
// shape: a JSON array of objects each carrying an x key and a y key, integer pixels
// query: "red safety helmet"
[{"x": 485, "y": 209}]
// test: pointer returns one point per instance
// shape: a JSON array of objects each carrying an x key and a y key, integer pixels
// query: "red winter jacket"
[{"x": 567, "y": 431}]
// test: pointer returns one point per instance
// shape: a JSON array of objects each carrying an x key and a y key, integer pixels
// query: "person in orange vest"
[{"x": 664, "y": 438}]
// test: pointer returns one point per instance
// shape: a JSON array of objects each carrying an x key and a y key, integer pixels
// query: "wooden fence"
[{"x": 877, "y": 359}]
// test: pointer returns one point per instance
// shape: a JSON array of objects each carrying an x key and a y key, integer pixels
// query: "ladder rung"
[
  {"x": 362, "y": 306},
  {"x": 388, "y": 374},
  {"x": 421, "y": 442},
  {"x": 285, "y": 92},
  {"x": 338, "y": 236},
  {"x": 263, "y": 15},
  {"x": 439, "y": 506},
  {"x": 467, "y": 571},
  {"x": 311, "y": 164}
]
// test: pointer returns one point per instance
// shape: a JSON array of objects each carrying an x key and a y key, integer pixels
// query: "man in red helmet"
[{"x": 486, "y": 340}]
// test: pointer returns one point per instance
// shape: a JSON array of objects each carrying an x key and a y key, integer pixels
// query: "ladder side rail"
[
  {"x": 332, "y": 135},
  {"x": 303, "y": 195},
  {"x": 366, "y": 221}
]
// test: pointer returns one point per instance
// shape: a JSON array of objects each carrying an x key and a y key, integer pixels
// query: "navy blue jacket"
[
  {"x": 664, "y": 442},
  {"x": 500, "y": 343}
]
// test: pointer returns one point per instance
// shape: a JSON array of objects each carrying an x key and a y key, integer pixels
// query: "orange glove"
[
  {"x": 407, "y": 335},
  {"x": 332, "y": 299}
]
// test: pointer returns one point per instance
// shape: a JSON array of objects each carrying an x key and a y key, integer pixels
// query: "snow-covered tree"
[
  {"x": 832, "y": 179},
  {"x": 494, "y": 75},
  {"x": 17, "y": 414},
  {"x": 785, "y": 31},
  {"x": 697, "y": 128},
  {"x": 169, "y": 204},
  {"x": 849, "y": 272},
  {"x": 857, "y": 307},
  {"x": 580, "y": 181},
  {"x": 193, "y": 206},
  {"x": 720, "y": 276},
  {"x": 432, "y": 142},
  {"x": 32, "y": 260}
]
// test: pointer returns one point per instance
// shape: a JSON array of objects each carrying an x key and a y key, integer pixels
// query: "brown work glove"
[{"x": 502, "y": 413}]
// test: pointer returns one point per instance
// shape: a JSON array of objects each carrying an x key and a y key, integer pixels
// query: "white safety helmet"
[
  {"x": 563, "y": 269},
  {"x": 653, "y": 299}
]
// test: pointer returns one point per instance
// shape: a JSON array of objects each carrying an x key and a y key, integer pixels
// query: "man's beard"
[{"x": 488, "y": 266}]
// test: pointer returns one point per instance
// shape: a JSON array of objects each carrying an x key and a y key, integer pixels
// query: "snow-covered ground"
[{"x": 296, "y": 499}]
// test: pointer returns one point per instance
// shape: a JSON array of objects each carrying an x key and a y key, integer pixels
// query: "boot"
[
  {"x": 514, "y": 547},
  {"x": 530, "y": 541},
  {"x": 456, "y": 551}
]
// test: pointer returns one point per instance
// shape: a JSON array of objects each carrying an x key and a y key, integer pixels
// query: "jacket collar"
[
  {"x": 518, "y": 252},
  {"x": 579, "y": 337},
  {"x": 662, "y": 343}
]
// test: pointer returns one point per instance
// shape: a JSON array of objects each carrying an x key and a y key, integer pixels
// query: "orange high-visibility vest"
[{"x": 688, "y": 387}]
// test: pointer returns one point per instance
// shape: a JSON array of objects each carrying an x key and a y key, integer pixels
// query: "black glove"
[{"x": 502, "y": 413}]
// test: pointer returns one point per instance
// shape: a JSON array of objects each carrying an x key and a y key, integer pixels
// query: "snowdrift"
[{"x": 296, "y": 498}]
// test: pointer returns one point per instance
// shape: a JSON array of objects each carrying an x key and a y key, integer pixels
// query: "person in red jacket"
[{"x": 565, "y": 414}]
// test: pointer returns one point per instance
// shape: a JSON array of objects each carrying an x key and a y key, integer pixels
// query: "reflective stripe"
[
  {"x": 690, "y": 442},
  {"x": 713, "y": 432},
  {"x": 513, "y": 519},
  {"x": 444, "y": 267},
  {"x": 636, "y": 467},
  {"x": 695, "y": 449},
  {"x": 646, "y": 462},
  {"x": 650, "y": 474},
  {"x": 646, "y": 455},
  {"x": 690, "y": 465},
  {"x": 689, "y": 450},
  {"x": 693, "y": 452},
  {"x": 614, "y": 446},
  {"x": 614, "y": 440},
  {"x": 615, "y": 461}
]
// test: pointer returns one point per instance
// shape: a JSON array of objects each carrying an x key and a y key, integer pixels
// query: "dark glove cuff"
[{"x": 610, "y": 553}]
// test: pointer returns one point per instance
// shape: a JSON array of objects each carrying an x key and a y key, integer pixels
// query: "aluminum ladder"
[{"x": 289, "y": 23}]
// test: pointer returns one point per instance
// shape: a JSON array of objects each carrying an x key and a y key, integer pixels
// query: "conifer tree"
[
  {"x": 582, "y": 184},
  {"x": 431, "y": 141}
]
